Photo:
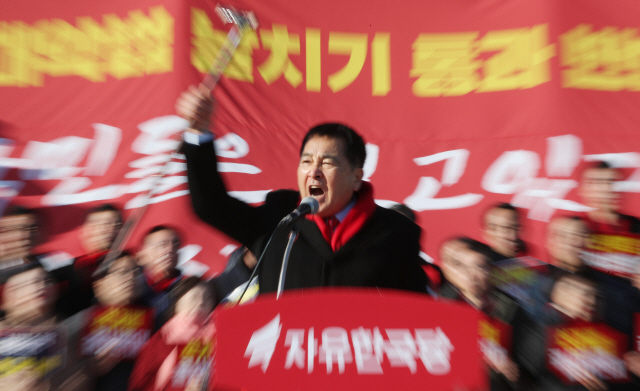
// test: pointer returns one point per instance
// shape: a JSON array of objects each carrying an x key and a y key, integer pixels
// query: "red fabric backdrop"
[{"x": 463, "y": 104}]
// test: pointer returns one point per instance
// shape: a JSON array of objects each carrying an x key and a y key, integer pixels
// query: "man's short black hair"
[
  {"x": 503, "y": 206},
  {"x": 182, "y": 287},
  {"x": 355, "y": 149},
  {"x": 19, "y": 210},
  {"x": 600, "y": 165},
  {"x": 159, "y": 228},
  {"x": 102, "y": 272},
  {"x": 104, "y": 208},
  {"x": 479, "y": 248}
]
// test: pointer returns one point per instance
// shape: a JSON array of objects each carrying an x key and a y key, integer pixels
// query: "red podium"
[{"x": 348, "y": 339}]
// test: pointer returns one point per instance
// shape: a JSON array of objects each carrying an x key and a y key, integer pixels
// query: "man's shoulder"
[
  {"x": 449, "y": 292},
  {"x": 394, "y": 220},
  {"x": 632, "y": 222},
  {"x": 283, "y": 195},
  {"x": 280, "y": 202}
]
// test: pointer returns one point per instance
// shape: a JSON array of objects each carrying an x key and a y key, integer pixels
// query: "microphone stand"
[{"x": 285, "y": 259}]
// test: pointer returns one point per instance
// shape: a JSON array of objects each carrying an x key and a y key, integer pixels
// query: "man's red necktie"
[{"x": 331, "y": 223}]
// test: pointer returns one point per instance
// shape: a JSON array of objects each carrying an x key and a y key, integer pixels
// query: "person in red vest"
[
  {"x": 466, "y": 268},
  {"x": 115, "y": 287},
  {"x": 573, "y": 302},
  {"x": 350, "y": 241},
  {"x": 607, "y": 253},
  {"x": 159, "y": 258},
  {"x": 178, "y": 356},
  {"x": 28, "y": 302},
  {"x": 97, "y": 234}
]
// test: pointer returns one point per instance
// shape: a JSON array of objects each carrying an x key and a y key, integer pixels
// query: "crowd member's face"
[
  {"x": 196, "y": 303},
  {"x": 449, "y": 258},
  {"x": 120, "y": 285},
  {"x": 501, "y": 231},
  {"x": 566, "y": 238},
  {"x": 29, "y": 295},
  {"x": 160, "y": 252},
  {"x": 325, "y": 174},
  {"x": 597, "y": 189},
  {"x": 17, "y": 236},
  {"x": 576, "y": 297},
  {"x": 474, "y": 270},
  {"x": 99, "y": 230}
]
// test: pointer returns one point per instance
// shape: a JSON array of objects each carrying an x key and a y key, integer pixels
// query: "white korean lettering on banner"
[
  {"x": 61, "y": 159},
  {"x": 335, "y": 348},
  {"x": 366, "y": 348},
  {"x": 423, "y": 198},
  {"x": 296, "y": 353},
  {"x": 401, "y": 349},
  {"x": 434, "y": 349},
  {"x": 74, "y": 161},
  {"x": 371, "y": 162},
  {"x": 312, "y": 346},
  {"x": 366, "y": 360},
  {"x": 8, "y": 189},
  {"x": 516, "y": 172},
  {"x": 155, "y": 141},
  {"x": 596, "y": 361}
]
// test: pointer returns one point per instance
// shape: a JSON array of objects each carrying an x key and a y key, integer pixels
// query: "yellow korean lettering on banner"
[
  {"x": 521, "y": 60},
  {"x": 381, "y": 64},
  {"x": 607, "y": 59},
  {"x": 445, "y": 64},
  {"x": 314, "y": 68},
  {"x": 207, "y": 41},
  {"x": 120, "y": 318},
  {"x": 354, "y": 46},
  {"x": 487, "y": 331},
  {"x": 134, "y": 46},
  {"x": 281, "y": 43},
  {"x": 452, "y": 64}
]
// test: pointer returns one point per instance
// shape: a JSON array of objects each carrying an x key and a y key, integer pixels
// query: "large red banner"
[{"x": 462, "y": 104}]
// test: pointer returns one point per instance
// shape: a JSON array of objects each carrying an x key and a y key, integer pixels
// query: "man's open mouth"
[{"x": 316, "y": 191}]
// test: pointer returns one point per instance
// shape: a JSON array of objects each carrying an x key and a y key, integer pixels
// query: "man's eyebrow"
[{"x": 329, "y": 156}]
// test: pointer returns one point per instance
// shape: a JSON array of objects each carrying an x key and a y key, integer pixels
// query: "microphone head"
[{"x": 312, "y": 203}]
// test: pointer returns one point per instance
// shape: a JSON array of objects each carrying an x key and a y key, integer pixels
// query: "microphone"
[{"x": 308, "y": 206}]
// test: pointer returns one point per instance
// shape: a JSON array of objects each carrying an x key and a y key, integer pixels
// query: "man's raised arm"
[{"x": 209, "y": 197}]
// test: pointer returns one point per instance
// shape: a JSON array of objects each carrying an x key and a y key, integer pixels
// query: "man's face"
[
  {"x": 566, "y": 238},
  {"x": 17, "y": 236},
  {"x": 501, "y": 231},
  {"x": 99, "y": 231},
  {"x": 325, "y": 174},
  {"x": 160, "y": 252},
  {"x": 449, "y": 258},
  {"x": 576, "y": 297},
  {"x": 197, "y": 303},
  {"x": 597, "y": 190},
  {"x": 29, "y": 294},
  {"x": 474, "y": 269},
  {"x": 120, "y": 286}
]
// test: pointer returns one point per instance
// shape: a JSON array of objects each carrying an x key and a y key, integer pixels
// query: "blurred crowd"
[{"x": 590, "y": 281}]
